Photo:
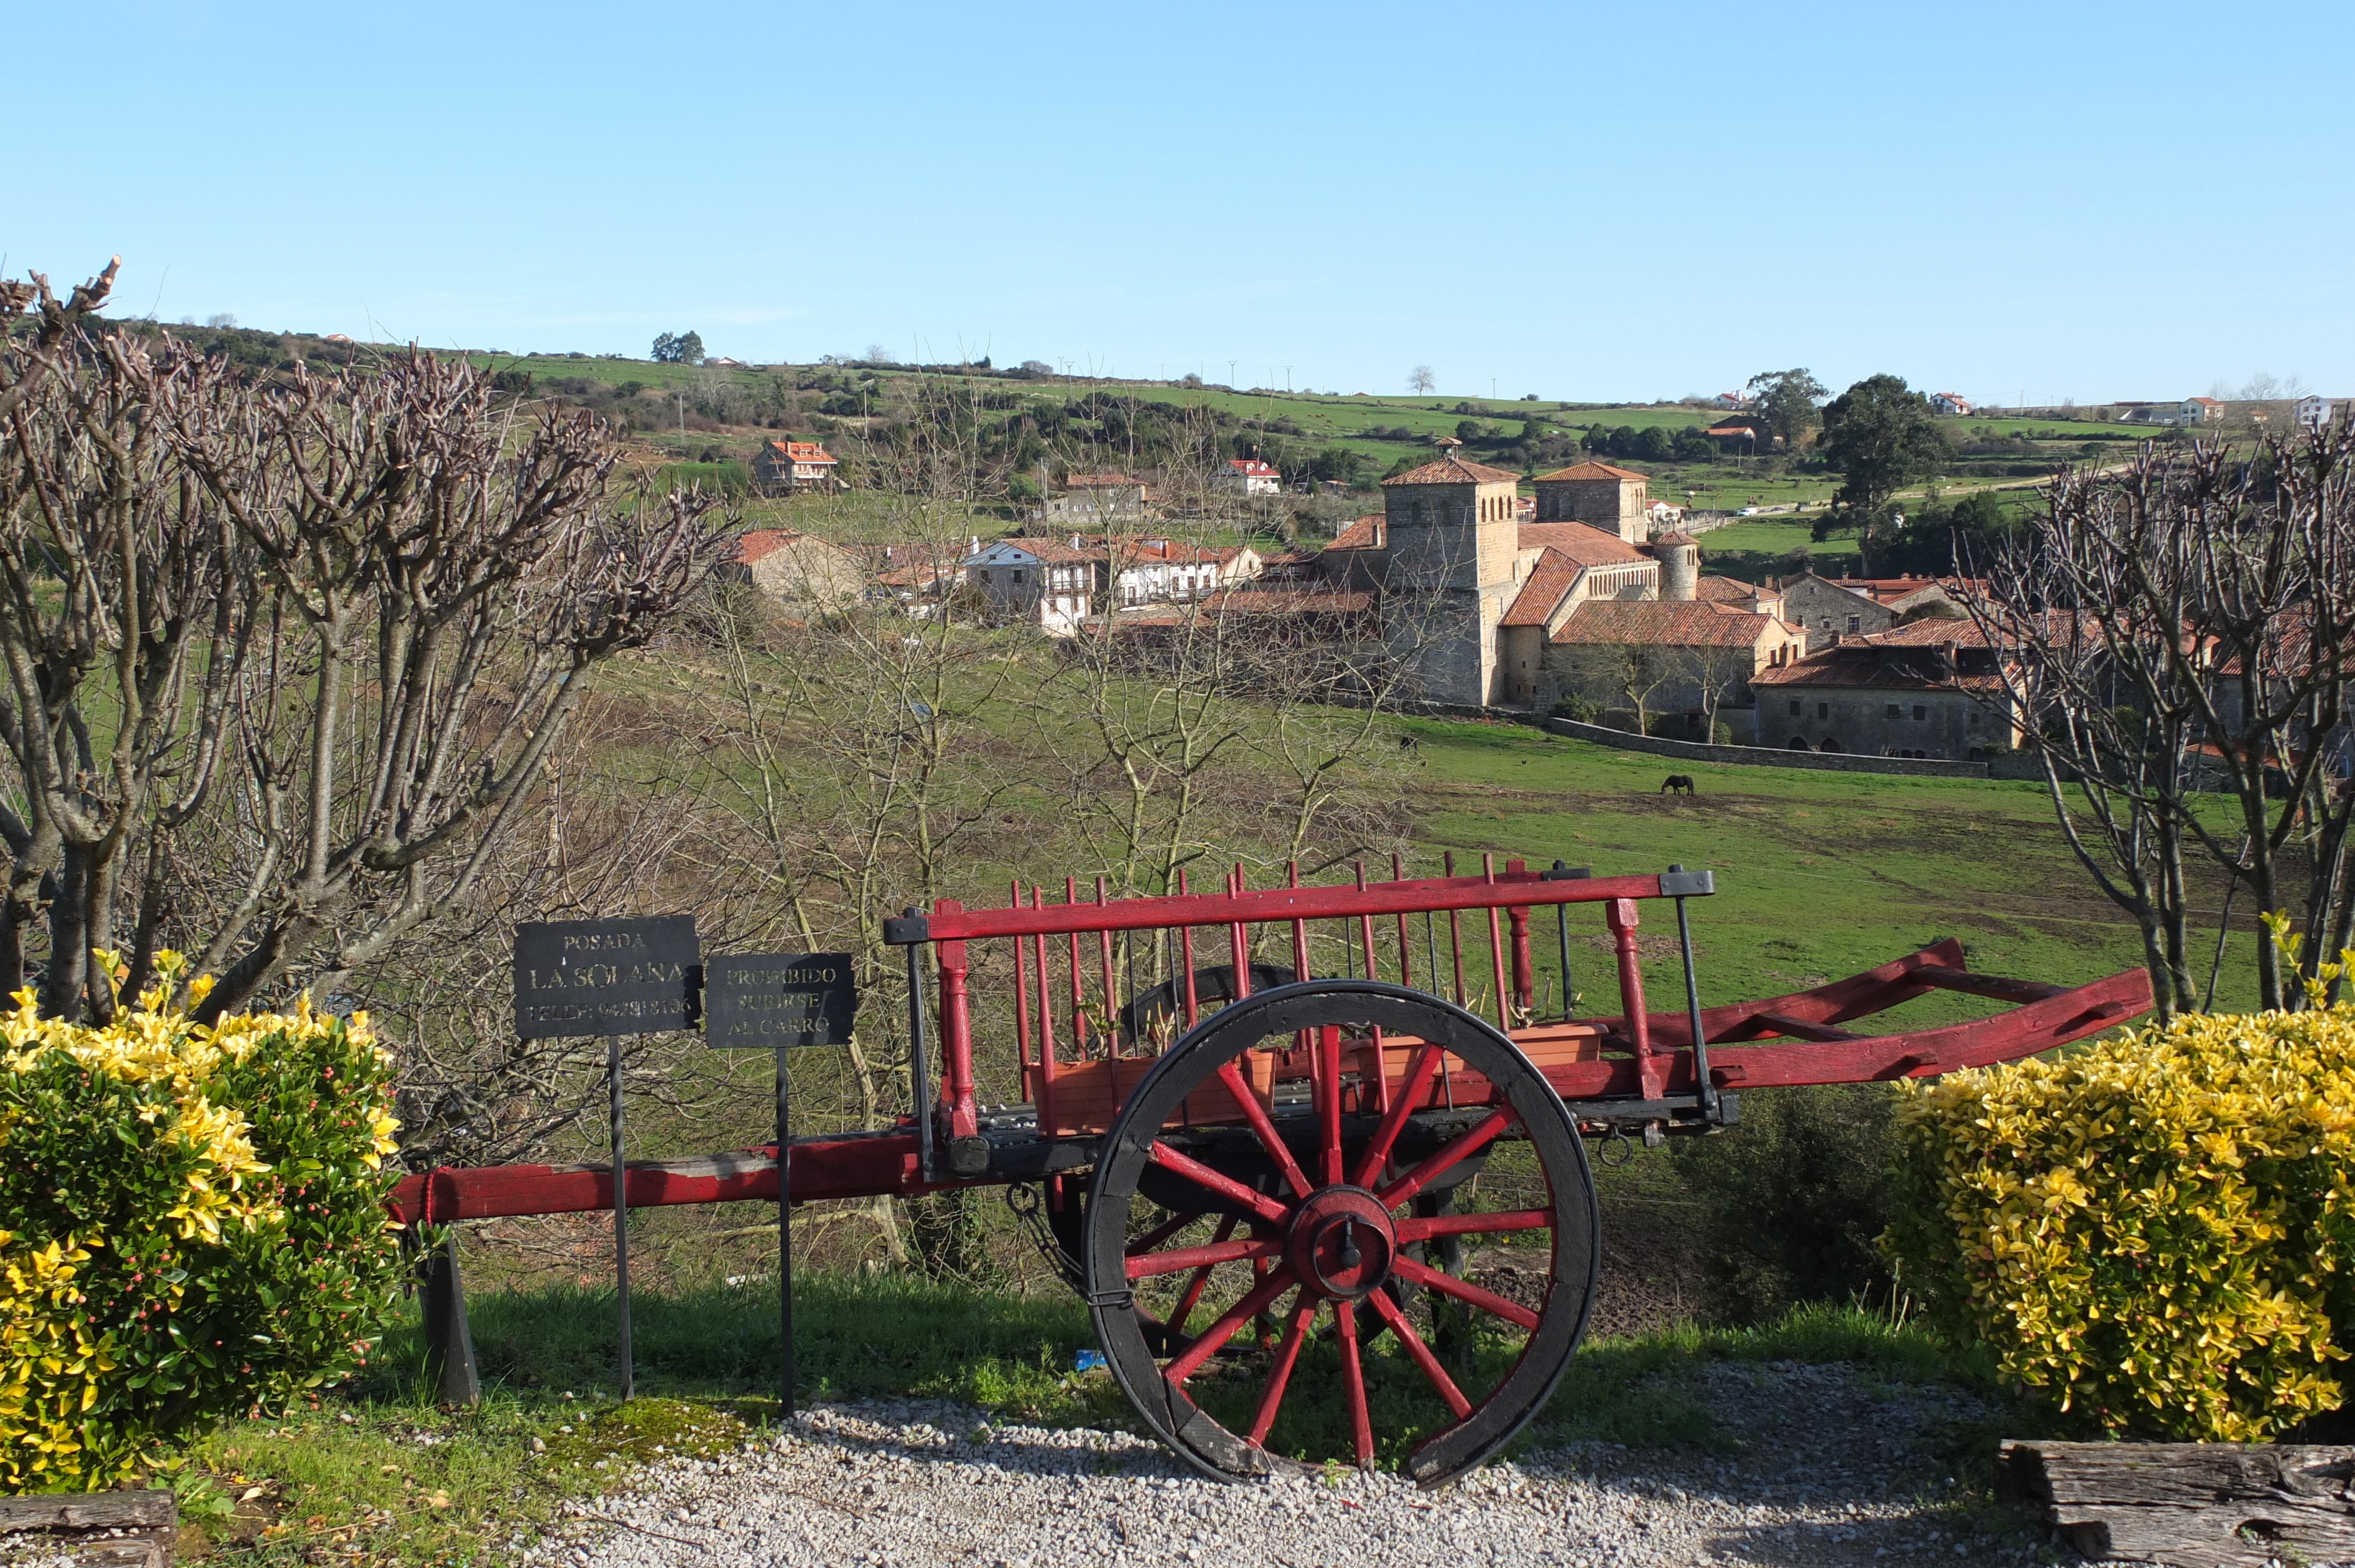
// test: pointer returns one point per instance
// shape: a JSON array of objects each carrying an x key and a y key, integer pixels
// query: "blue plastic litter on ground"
[{"x": 1088, "y": 1360}]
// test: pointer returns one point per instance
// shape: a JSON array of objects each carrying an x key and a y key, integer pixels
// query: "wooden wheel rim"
[{"x": 1134, "y": 1145}]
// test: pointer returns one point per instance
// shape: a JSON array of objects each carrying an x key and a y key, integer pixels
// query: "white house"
[
  {"x": 2316, "y": 413},
  {"x": 1950, "y": 403},
  {"x": 1250, "y": 477},
  {"x": 2201, "y": 412},
  {"x": 1045, "y": 582},
  {"x": 1164, "y": 571}
]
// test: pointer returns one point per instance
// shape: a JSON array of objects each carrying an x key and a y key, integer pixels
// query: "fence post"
[{"x": 449, "y": 1339}]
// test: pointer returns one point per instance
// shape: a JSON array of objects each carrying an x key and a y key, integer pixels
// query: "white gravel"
[{"x": 1830, "y": 1469}]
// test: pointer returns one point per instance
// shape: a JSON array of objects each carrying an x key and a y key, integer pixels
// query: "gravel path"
[{"x": 1830, "y": 1467}]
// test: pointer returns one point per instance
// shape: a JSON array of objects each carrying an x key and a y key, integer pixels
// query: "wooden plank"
[
  {"x": 2191, "y": 1505},
  {"x": 92, "y": 1510},
  {"x": 1995, "y": 987},
  {"x": 1800, "y": 1029}
]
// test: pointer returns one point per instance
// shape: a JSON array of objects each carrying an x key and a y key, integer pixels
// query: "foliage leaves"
[
  {"x": 2157, "y": 1231},
  {"x": 192, "y": 1224}
]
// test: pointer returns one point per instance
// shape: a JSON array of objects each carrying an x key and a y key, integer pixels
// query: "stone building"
[
  {"x": 1451, "y": 548},
  {"x": 1931, "y": 689},
  {"x": 1096, "y": 501},
  {"x": 1861, "y": 607},
  {"x": 794, "y": 567},
  {"x": 1663, "y": 656},
  {"x": 1600, "y": 496}
]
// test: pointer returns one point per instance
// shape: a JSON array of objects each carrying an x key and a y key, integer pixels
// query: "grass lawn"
[{"x": 1820, "y": 874}]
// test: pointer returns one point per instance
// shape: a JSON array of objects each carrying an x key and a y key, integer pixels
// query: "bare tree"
[
  {"x": 308, "y": 642},
  {"x": 1420, "y": 379},
  {"x": 2189, "y": 626}
]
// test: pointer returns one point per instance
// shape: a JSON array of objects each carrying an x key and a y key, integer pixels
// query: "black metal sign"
[
  {"x": 784, "y": 1000},
  {"x": 575, "y": 978}
]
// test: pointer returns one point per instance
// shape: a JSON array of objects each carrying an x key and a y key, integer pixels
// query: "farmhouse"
[
  {"x": 2319, "y": 413},
  {"x": 1058, "y": 584},
  {"x": 1949, "y": 403},
  {"x": 1859, "y": 607},
  {"x": 1097, "y": 500},
  {"x": 1743, "y": 433},
  {"x": 793, "y": 468},
  {"x": 1249, "y": 476},
  {"x": 794, "y": 567},
  {"x": 1048, "y": 582},
  {"x": 1931, "y": 689}
]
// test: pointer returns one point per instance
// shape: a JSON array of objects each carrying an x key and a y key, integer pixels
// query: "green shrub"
[
  {"x": 1578, "y": 710},
  {"x": 192, "y": 1222},
  {"x": 1788, "y": 1203},
  {"x": 2157, "y": 1232}
]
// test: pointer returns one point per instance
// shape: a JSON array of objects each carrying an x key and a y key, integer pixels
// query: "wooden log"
[
  {"x": 97, "y": 1529},
  {"x": 2191, "y": 1505},
  {"x": 93, "y": 1510}
]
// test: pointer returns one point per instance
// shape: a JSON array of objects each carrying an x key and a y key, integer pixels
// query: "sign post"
[
  {"x": 576, "y": 978},
  {"x": 782, "y": 1001}
]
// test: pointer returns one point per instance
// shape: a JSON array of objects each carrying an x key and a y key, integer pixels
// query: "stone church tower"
[
  {"x": 1452, "y": 538},
  {"x": 1600, "y": 496}
]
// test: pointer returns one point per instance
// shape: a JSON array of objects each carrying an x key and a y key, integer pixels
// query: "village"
[{"x": 1583, "y": 598}]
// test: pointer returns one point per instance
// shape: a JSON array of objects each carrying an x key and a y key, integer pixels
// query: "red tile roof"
[
  {"x": 761, "y": 542},
  {"x": 1454, "y": 469},
  {"x": 1715, "y": 589},
  {"x": 802, "y": 452},
  {"x": 1254, "y": 469},
  {"x": 1589, "y": 470},
  {"x": 1674, "y": 536},
  {"x": 1553, "y": 577},
  {"x": 1365, "y": 534},
  {"x": 1586, "y": 545},
  {"x": 1675, "y": 623}
]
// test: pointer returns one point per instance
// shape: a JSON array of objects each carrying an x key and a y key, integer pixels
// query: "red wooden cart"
[{"x": 1322, "y": 1208}]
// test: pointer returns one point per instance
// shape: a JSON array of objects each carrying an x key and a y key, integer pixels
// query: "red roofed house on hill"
[
  {"x": 793, "y": 468},
  {"x": 1249, "y": 477}
]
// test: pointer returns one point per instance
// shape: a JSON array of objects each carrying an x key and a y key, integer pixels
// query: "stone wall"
[
  {"x": 1759, "y": 756},
  {"x": 1945, "y": 724}
]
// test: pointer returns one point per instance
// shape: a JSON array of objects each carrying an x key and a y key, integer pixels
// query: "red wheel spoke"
[
  {"x": 1329, "y": 1099},
  {"x": 1271, "y": 1398},
  {"x": 1194, "y": 1286},
  {"x": 1389, "y": 1313},
  {"x": 1447, "y": 1284},
  {"x": 1263, "y": 1128},
  {"x": 1208, "y": 1256},
  {"x": 1448, "y": 1159},
  {"x": 1353, "y": 1381},
  {"x": 1278, "y": 1281},
  {"x": 1416, "y": 1230},
  {"x": 1159, "y": 1233},
  {"x": 1226, "y": 1187},
  {"x": 1420, "y": 1069}
]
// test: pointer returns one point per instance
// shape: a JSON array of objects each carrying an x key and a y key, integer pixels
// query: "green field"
[{"x": 1820, "y": 874}]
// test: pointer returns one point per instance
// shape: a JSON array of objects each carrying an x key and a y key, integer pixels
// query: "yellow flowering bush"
[
  {"x": 2157, "y": 1231},
  {"x": 192, "y": 1224}
]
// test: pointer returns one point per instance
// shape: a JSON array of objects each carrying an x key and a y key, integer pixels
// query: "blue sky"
[{"x": 1624, "y": 200}]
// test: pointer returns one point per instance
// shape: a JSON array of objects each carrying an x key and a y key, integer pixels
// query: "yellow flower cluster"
[
  {"x": 2158, "y": 1230},
  {"x": 50, "y": 1368},
  {"x": 51, "y": 1354}
]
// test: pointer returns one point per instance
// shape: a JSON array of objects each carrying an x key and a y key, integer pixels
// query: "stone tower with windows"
[
  {"x": 1599, "y": 495},
  {"x": 1452, "y": 537}
]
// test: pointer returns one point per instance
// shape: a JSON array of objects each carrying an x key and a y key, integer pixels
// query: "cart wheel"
[{"x": 1315, "y": 1214}]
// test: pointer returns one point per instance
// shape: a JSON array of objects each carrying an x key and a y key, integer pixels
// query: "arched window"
[
  {"x": 1799, "y": 743},
  {"x": 1828, "y": 745}
]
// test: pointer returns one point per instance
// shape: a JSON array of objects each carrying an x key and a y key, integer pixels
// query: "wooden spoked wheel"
[{"x": 1263, "y": 1289}]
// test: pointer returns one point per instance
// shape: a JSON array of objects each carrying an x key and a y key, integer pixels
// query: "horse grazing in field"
[{"x": 1678, "y": 784}]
